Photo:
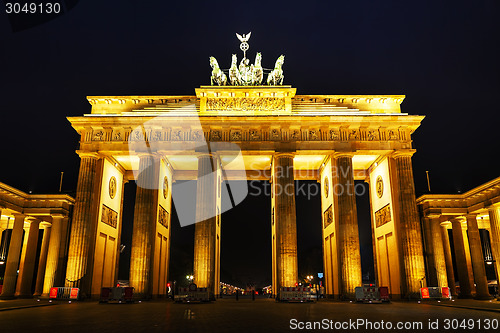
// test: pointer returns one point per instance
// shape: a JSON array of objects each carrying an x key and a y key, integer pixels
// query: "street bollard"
[
  {"x": 237, "y": 292},
  {"x": 253, "y": 295}
]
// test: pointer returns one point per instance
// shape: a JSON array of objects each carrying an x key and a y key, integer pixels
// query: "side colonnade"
[
  {"x": 24, "y": 216},
  {"x": 472, "y": 221}
]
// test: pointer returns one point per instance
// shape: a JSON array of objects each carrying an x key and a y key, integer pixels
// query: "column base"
[{"x": 465, "y": 296}]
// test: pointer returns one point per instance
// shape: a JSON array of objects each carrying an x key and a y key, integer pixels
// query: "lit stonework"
[
  {"x": 284, "y": 224},
  {"x": 348, "y": 236},
  {"x": 34, "y": 213},
  {"x": 206, "y": 266},
  {"x": 281, "y": 137},
  {"x": 467, "y": 214},
  {"x": 272, "y": 126}
]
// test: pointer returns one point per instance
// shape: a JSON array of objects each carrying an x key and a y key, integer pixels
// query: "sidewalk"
[
  {"x": 491, "y": 305},
  {"x": 6, "y": 305}
]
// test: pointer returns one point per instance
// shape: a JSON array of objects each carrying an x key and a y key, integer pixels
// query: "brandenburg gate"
[
  {"x": 281, "y": 137},
  {"x": 243, "y": 128}
]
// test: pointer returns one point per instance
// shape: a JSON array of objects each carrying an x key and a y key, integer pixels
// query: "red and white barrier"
[
  {"x": 64, "y": 293},
  {"x": 118, "y": 294},
  {"x": 372, "y": 294},
  {"x": 295, "y": 294},
  {"x": 435, "y": 293},
  {"x": 192, "y": 295}
]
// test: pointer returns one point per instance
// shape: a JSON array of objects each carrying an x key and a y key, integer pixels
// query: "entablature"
[
  {"x": 476, "y": 200},
  {"x": 240, "y": 129}
]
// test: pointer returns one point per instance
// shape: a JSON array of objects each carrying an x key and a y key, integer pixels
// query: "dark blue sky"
[{"x": 443, "y": 55}]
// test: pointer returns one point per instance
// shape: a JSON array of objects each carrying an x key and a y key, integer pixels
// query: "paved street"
[{"x": 228, "y": 315}]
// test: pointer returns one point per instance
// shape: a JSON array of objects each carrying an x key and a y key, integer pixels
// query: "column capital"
[
  {"x": 91, "y": 154},
  {"x": 403, "y": 153},
  {"x": 33, "y": 219},
  {"x": 206, "y": 154},
  {"x": 284, "y": 154},
  {"x": 471, "y": 216},
  {"x": 45, "y": 225},
  {"x": 338, "y": 154},
  {"x": 461, "y": 219},
  {"x": 146, "y": 154},
  {"x": 446, "y": 224},
  {"x": 19, "y": 215}
]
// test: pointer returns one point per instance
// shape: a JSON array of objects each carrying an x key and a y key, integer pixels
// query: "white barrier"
[
  {"x": 371, "y": 294},
  {"x": 192, "y": 295},
  {"x": 295, "y": 294}
]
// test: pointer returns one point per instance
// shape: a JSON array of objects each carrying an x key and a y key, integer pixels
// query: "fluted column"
[
  {"x": 438, "y": 252},
  {"x": 146, "y": 201},
  {"x": 285, "y": 220},
  {"x": 16, "y": 240},
  {"x": 461, "y": 258},
  {"x": 348, "y": 238},
  {"x": 494, "y": 213},
  {"x": 1, "y": 229},
  {"x": 205, "y": 230},
  {"x": 53, "y": 254},
  {"x": 78, "y": 271},
  {"x": 42, "y": 262},
  {"x": 60, "y": 276},
  {"x": 468, "y": 256},
  {"x": 429, "y": 253},
  {"x": 411, "y": 235},
  {"x": 27, "y": 267},
  {"x": 450, "y": 274},
  {"x": 477, "y": 258}
]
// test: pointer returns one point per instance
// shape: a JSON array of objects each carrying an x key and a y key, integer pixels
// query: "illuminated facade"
[
  {"x": 24, "y": 216},
  {"x": 467, "y": 215},
  {"x": 282, "y": 137}
]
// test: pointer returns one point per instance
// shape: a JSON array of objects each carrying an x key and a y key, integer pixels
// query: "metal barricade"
[
  {"x": 118, "y": 294},
  {"x": 64, "y": 293},
  {"x": 372, "y": 294},
  {"x": 192, "y": 295},
  {"x": 295, "y": 294},
  {"x": 439, "y": 293}
]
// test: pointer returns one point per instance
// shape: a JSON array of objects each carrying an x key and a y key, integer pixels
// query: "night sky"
[{"x": 444, "y": 56}]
